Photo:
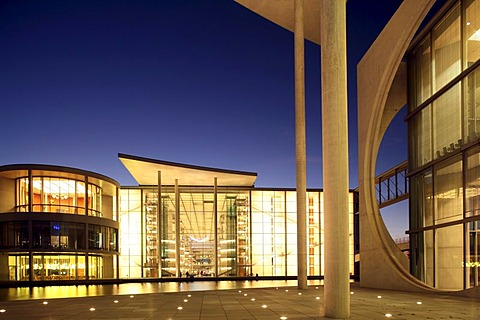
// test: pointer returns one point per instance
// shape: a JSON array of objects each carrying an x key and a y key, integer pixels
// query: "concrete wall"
[{"x": 381, "y": 81}]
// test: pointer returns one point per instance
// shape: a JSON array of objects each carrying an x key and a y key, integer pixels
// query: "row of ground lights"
[{"x": 264, "y": 306}]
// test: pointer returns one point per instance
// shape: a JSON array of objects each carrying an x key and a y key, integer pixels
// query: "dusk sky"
[{"x": 207, "y": 83}]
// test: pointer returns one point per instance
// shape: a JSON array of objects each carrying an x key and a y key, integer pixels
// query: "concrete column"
[
  {"x": 215, "y": 223},
  {"x": 300, "y": 145},
  {"x": 335, "y": 158},
  {"x": 159, "y": 222},
  {"x": 177, "y": 228}
]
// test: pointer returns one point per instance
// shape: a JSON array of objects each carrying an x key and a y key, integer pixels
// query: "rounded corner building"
[{"x": 57, "y": 223}]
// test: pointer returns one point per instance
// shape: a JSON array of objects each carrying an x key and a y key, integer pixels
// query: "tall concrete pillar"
[
  {"x": 159, "y": 223},
  {"x": 335, "y": 158},
  {"x": 300, "y": 145},
  {"x": 177, "y": 228},
  {"x": 215, "y": 223}
]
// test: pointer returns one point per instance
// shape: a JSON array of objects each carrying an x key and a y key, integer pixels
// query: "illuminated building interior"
[
  {"x": 57, "y": 223},
  {"x": 231, "y": 229},
  {"x": 444, "y": 152}
]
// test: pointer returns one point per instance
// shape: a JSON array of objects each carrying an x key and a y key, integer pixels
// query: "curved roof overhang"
[
  {"x": 282, "y": 13},
  {"x": 145, "y": 172}
]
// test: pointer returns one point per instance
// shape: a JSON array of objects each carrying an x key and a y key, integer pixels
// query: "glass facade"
[
  {"x": 57, "y": 225},
  {"x": 224, "y": 231},
  {"x": 444, "y": 156}
]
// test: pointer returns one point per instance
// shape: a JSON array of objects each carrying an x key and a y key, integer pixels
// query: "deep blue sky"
[{"x": 200, "y": 82}]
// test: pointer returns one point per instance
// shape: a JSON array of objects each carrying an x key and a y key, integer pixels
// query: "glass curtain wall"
[
  {"x": 254, "y": 232},
  {"x": 444, "y": 131}
]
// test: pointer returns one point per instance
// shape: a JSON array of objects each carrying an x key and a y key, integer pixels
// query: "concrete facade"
[{"x": 381, "y": 94}]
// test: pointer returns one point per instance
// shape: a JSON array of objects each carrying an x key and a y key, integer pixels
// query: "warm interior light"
[{"x": 475, "y": 36}]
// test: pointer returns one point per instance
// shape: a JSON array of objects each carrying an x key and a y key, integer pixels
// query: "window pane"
[
  {"x": 472, "y": 194},
  {"x": 472, "y": 106},
  {"x": 421, "y": 146},
  {"x": 423, "y": 76},
  {"x": 447, "y": 122},
  {"x": 448, "y": 192},
  {"x": 472, "y": 31},
  {"x": 449, "y": 257},
  {"x": 446, "y": 44}
]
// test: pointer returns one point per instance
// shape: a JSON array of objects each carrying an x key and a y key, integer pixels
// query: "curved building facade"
[
  {"x": 444, "y": 150},
  {"x": 57, "y": 223}
]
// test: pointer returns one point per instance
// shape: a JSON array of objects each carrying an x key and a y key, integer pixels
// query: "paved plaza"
[{"x": 236, "y": 304}]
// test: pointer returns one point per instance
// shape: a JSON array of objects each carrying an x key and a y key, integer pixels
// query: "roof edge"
[{"x": 183, "y": 165}]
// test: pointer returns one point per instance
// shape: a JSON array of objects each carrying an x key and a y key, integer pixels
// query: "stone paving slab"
[{"x": 246, "y": 304}]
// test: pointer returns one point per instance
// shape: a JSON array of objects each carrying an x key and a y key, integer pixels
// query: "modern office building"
[
  {"x": 60, "y": 223},
  {"x": 435, "y": 73},
  {"x": 444, "y": 152},
  {"x": 213, "y": 222},
  {"x": 57, "y": 223}
]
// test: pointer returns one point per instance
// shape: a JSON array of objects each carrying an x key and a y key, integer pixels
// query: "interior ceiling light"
[
  {"x": 199, "y": 240},
  {"x": 475, "y": 36}
]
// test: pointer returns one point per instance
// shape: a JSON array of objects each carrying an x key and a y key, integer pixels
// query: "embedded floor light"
[
  {"x": 92, "y": 309},
  {"x": 180, "y": 308},
  {"x": 264, "y": 306},
  {"x": 45, "y": 302},
  {"x": 388, "y": 315},
  {"x": 115, "y": 301}
]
